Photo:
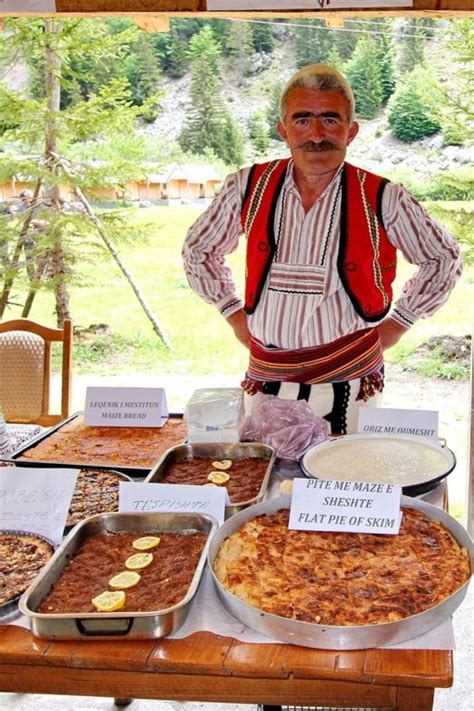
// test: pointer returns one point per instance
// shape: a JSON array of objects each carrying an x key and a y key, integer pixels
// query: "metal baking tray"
[
  {"x": 242, "y": 450},
  {"x": 114, "y": 625},
  {"x": 415, "y": 489},
  {"x": 9, "y": 610},
  {"x": 15, "y": 457},
  {"x": 309, "y": 634}
]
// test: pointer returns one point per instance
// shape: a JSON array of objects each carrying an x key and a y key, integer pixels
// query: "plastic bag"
[{"x": 289, "y": 426}]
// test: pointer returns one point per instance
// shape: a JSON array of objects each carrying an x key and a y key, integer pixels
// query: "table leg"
[{"x": 411, "y": 698}]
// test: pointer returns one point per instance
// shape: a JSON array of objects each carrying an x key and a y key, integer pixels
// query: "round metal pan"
[
  {"x": 419, "y": 486},
  {"x": 317, "y": 636},
  {"x": 9, "y": 610},
  {"x": 98, "y": 473}
]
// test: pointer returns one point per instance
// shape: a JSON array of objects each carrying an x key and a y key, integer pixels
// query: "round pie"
[
  {"x": 22, "y": 556},
  {"x": 334, "y": 578}
]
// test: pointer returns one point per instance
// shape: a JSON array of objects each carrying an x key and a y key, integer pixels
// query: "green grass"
[{"x": 201, "y": 340}]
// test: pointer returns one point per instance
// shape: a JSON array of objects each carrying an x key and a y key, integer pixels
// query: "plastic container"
[{"x": 215, "y": 415}]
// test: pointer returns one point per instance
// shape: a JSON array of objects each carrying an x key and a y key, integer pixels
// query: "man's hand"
[
  {"x": 390, "y": 332},
  {"x": 238, "y": 321}
]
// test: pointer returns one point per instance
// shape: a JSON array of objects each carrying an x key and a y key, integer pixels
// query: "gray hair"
[{"x": 319, "y": 77}]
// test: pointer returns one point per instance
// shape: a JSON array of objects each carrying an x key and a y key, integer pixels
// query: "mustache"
[{"x": 321, "y": 146}]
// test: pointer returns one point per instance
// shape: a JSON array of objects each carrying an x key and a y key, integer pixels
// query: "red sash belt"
[{"x": 347, "y": 358}]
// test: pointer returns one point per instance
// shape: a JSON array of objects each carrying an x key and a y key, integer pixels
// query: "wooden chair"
[{"x": 25, "y": 371}]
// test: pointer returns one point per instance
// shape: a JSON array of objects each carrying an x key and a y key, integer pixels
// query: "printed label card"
[
  {"x": 351, "y": 506},
  {"x": 125, "y": 407},
  {"x": 392, "y": 421},
  {"x": 179, "y": 498}
]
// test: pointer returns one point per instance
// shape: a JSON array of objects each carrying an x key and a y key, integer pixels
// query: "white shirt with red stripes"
[{"x": 303, "y": 302}]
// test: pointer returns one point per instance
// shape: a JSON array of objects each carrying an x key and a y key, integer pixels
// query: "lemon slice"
[
  {"x": 146, "y": 542},
  {"x": 209, "y": 483},
  {"x": 222, "y": 464},
  {"x": 139, "y": 561},
  {"x": 286, "y": 486},
  {"x": 124, "y": 580},
  {"x": 109, "y": 601},
  {"x": 218, "y": 477}
]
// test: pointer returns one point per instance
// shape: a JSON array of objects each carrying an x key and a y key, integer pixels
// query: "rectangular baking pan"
[
  {"x": 15, "y": 457},
  {"x": 308, "y": 634},
  {"x": 114, "y": 625},
  {"x": 242, "y": 450}
]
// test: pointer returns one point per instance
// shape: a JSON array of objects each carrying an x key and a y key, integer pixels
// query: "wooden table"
[{"x": 206, "y": 667}]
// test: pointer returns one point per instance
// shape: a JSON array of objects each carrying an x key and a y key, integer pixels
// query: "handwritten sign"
[
  {"x": 36, "y": 499},
  {"x": 217, "y": 5},
  {"x": 27, "y": 6},
  {"x": 354, "y": 506},
  {"x": 392, "y": 421},
  {"x": 125, "y": 407},
  {"x": 182, "y": 498}
]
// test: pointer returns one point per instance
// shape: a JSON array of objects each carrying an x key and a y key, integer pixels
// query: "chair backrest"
[{"x": 25, "y": 371}]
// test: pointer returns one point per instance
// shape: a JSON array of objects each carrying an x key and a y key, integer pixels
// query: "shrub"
[{"x": 413, "y": 111}]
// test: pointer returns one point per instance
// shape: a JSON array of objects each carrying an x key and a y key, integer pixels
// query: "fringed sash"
[{"x": 354, "y": 356}]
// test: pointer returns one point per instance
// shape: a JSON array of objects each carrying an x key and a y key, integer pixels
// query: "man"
[{"x": 322, "y": 237}]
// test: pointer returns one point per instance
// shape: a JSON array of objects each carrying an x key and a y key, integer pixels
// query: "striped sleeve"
[
  {"x": 214, "y": 235},
  {"x": 425, "y": 243}
]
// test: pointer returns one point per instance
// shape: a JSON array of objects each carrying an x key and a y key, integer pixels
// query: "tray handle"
[{"x": 112, "y": 628}]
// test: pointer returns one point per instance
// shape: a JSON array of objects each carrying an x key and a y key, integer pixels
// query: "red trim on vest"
[
  {"x": 366, "y": 260},
  {"x": 258, "y": 218}
]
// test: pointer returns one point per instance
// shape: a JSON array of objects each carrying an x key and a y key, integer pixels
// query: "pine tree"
[
  {"x": 345, "y": 42},
  {"x": 232, "y": 146},
  {"x": 273, "y": 111},
  {"x": 259, "y": 132},
  {"x": 312, "y": 43},
  {"x": 413, "y": 110},
  {"x": 364, "y": 76},
  {"x": 457, "y": 116},
  {"x": 144, "y": 74},
  {"x": 411, "y": 34},
  {"x": 334, "y": 59},
  {"x": 176, "y": 59},
  {"x": 457, "y": 122},
  {"x": 240, "y": 48},
  {"x": 204, "y": 44},
  {"x": 263, "y": 37},
  {"x": 385, "y": 59},
  {"x": 208, "y": 124}
]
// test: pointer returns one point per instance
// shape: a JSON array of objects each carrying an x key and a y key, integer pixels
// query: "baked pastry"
[
  {"x": 242, "y": 477},
  {"x": 22, "y": 556},
  {"x": 163, "y": 582},
  {"x": 76, "y": 443},
  {"x": 342, "y": 578},
  {"x": 96, "y": 491}
]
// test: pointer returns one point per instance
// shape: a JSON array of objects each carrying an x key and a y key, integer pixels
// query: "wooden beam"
[{"x": 183, "y": 8}]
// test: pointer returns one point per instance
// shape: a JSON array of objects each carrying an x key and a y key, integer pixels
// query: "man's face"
[{"x": 317, "y": 130}]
